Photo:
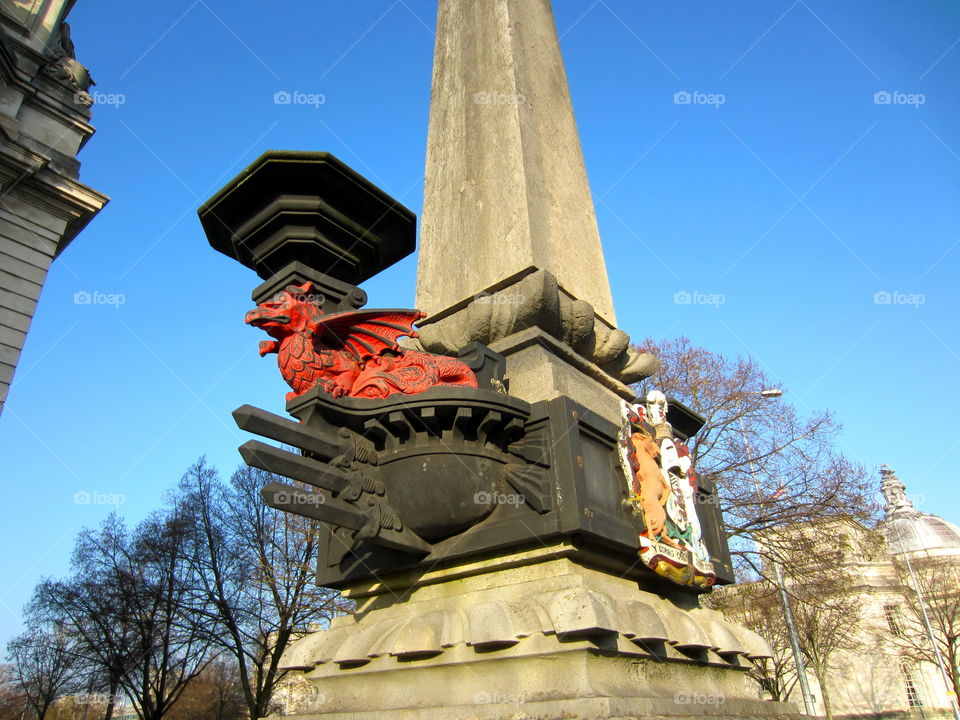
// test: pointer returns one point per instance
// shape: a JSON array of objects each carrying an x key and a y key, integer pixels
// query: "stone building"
[
  {"x": 44, "y": 121},
  {"x": 885, "y": 669}
]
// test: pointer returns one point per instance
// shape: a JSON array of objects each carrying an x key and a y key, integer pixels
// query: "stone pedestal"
[
  {"x": 529, "y": 634},
  {"x": 555, "y": 344}
]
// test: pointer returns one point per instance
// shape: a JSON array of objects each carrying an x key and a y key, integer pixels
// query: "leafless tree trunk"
[
  {"x": 828, "y": 616},
  {"x": 938, "y": 582},
  {"x": 127, "y": 604},
  {"x": 258, "y": 567},
  {"x": 43, "y": 666},
  {"x": 757, "y": 606}
]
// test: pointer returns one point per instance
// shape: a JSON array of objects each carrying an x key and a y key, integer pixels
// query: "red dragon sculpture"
[{"x": 353, "y": 354}]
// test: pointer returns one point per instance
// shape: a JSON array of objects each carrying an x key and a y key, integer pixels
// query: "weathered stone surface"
[
  {"x": 505, "y": 185},
  {"x": 42, "y": 127},
  {"x": 535, "y": 299},
  {"x": 527, "y": 635}
]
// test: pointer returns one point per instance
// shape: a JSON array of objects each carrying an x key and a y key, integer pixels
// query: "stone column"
[
  {"x": 507, "y": 198},
  {"x": 505, "y": 183}
]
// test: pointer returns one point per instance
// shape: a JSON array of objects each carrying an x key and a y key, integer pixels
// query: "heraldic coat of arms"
[{"x": 662, "y": 487}]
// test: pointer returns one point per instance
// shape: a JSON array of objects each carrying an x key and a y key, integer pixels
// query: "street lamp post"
[{"x": 778, "y": 575}]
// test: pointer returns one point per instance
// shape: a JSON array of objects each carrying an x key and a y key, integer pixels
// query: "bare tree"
[
  {"x": 127, "y": 604},
  {"x": 828, "y": 618},
  {"x": 757, "y": 606},
  {"x": 937, "y": 582},
  {"x": 825, "y": 600},
  {"x": 42, "y": 666},
  {"x": 771, "y": 464},
  {"x": 253, "y": 574}
]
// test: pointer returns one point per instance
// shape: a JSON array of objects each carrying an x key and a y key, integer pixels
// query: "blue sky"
[{"x": 780, "y": 201}]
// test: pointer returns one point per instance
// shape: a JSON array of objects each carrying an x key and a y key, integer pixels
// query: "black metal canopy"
[{"x": 308, "y": 207}]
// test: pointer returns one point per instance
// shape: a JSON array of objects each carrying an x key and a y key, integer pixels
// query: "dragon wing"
[{"x": 366, "y": 333}]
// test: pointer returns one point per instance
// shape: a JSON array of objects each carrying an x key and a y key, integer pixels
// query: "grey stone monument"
[{"x": 488, "y": 527}]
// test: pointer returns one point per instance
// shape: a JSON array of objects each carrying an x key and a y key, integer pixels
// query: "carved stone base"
[
  {"x": 528, "y": 635},
  {"x": 539, "y": 367}
]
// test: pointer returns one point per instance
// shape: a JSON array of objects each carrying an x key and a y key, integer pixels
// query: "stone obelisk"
[
  {"x": 510, "y": 253},
  {"x": 521, "y": 594},
  {"x": 505, "y": 180}
]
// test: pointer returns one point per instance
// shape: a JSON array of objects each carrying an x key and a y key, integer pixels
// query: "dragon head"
[{"x": 291, "y": 310}]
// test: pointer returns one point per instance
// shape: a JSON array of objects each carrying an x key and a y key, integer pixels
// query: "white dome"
[{"x": 908, "y": 530}]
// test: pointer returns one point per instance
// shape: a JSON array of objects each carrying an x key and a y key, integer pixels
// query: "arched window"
[{"x": 910, "y": 683}]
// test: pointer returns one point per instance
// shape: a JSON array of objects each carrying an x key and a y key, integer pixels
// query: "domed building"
[
  {"x": 895, "y": 594},
  {"x": 908, "y": 531}
]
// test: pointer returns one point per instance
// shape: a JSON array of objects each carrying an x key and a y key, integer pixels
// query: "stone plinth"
[
  {"x": 555, "y": 344},
  {"x": 528, "y": 635}
]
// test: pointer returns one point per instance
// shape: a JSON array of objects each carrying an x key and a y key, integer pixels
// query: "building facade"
[
  {"x": 44, "y": 122},
  {"x": 862, "y": 593}
]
